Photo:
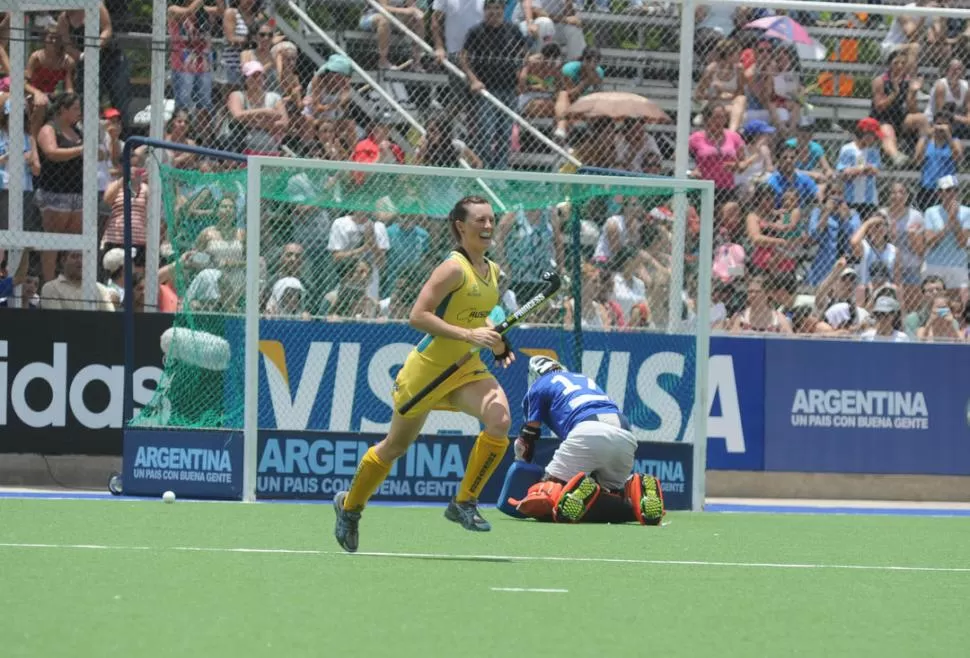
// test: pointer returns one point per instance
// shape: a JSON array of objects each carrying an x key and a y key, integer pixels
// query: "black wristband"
[
  {"x": 508, "y": 349},
  {"x": 530, "y": 433}
]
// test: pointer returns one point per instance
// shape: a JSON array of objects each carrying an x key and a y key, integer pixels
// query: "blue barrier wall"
[
  {"x": 192, "y": 463},
  {"x": 316, "y": 465},
  {"x": 338, "y": 377},
  {"x": 775, "y": 404},
  {"x": 843, "y": 407}
]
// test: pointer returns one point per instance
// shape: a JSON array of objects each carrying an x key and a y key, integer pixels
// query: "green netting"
[
  {"x": 426, "y": 195},
  {"x": 204, "y": 238}
]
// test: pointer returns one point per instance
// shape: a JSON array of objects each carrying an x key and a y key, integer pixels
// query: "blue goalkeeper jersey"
[{"x": 562, "y": 400}]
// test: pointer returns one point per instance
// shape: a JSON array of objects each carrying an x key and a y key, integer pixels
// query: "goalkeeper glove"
[{"x": 525, "y": 443}]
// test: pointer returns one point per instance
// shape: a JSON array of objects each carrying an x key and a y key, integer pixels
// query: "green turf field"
[{"x": 174, "y": 582}]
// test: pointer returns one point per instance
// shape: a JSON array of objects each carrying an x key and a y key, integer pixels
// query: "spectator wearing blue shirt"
[
  {"x": 410, "y": 244},
  {"x": 831, "y": 226},
  {"x": 810, "y": 155},
  {"x": 6, "y": 282},
  {"x": 29, "y": 284},
  {"x": 859, "y": 164},
  {"x": 939, "y": 152},
  {"x": 787, "y": 177},
  {"x": 947, "y": 231},
  {"x": 31, "y": 216},
  {"x": 584, "y": 76}
]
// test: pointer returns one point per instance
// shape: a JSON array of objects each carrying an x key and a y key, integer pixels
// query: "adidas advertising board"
[{"x": 62, "y": 379}]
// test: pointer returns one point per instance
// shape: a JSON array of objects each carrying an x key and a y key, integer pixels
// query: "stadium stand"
[{"x": 870, "y": 136}]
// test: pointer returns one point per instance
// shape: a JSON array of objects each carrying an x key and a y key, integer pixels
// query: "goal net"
[{"x": 296, "y": 278}]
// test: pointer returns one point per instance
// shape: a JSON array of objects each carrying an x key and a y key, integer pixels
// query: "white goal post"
[{"x": 260, "y": 168}]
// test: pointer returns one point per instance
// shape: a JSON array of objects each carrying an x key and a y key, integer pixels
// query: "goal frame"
[{"x": 255, "y": 166}]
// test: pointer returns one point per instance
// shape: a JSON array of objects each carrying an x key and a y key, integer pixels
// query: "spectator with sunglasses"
[{"x": 263, "y": 53}]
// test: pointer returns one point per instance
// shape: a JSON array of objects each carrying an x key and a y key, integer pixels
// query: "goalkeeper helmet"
[{"x": 540, "y": 365}]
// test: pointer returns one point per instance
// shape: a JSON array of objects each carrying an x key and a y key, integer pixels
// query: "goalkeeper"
[{"x": 589, "y": 476}]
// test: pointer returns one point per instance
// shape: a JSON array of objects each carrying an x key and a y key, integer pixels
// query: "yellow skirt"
[{"x": 417, "y": 372}]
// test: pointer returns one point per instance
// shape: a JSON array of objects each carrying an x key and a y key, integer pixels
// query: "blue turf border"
[
  {"x": 713, "y": 507},
  {"x": 804, "y": 509}
]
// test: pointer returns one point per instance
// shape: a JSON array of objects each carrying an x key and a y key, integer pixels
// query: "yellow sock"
[
  {"x": 370, "y": 473},
  {"x": 486, "y": 455}
]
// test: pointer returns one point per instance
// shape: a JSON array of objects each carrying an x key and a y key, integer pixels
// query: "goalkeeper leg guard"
[
  {"x": 577, "y": 497},
  {"x": 540, "y": 501},
  {"x": 646, "y": 498}
]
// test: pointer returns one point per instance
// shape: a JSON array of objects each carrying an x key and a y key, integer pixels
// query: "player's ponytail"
[{"x": 460, "y": 213}]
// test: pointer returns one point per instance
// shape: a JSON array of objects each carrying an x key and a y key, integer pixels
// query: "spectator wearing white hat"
[
  {"x": 947, "y": 231},
  {"x": 886, "y": 313},
  {"x": 287, "y": 299},
  {"x": 113, "y": 264}
]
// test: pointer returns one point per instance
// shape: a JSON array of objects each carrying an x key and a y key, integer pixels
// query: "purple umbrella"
[{"x": 784, "y": 28}]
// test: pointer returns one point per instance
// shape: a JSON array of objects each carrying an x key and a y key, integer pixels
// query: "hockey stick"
[{"x": 552, "y": 287}]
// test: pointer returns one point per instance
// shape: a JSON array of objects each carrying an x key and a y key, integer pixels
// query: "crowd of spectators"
[
  {"x": 809, "y": 240},
  {"x": 810, "y": 246}
]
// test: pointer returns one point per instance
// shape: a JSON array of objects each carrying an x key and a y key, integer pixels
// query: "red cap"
[
  {"x": 110, "y": 113},
  {"x": 869, "y": 125}
]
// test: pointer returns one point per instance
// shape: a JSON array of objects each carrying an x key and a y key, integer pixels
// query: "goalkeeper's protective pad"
[
  {"x": 540, "y": 501},
  {"x": 645, "y": 496},
  {"x": 577, "y": 497},
  {"x": 520, "y": 476}
]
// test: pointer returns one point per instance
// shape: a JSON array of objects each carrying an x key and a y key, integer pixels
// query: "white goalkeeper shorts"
[{"x": 603, "y": 450}]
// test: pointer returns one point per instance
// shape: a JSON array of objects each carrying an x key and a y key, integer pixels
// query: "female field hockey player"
[{"x": 452, "y": 309}]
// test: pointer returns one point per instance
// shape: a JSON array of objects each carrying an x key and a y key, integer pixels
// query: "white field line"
[
  {"x": 494, "y": 558},
  {"x": 540, "y": 590}
]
